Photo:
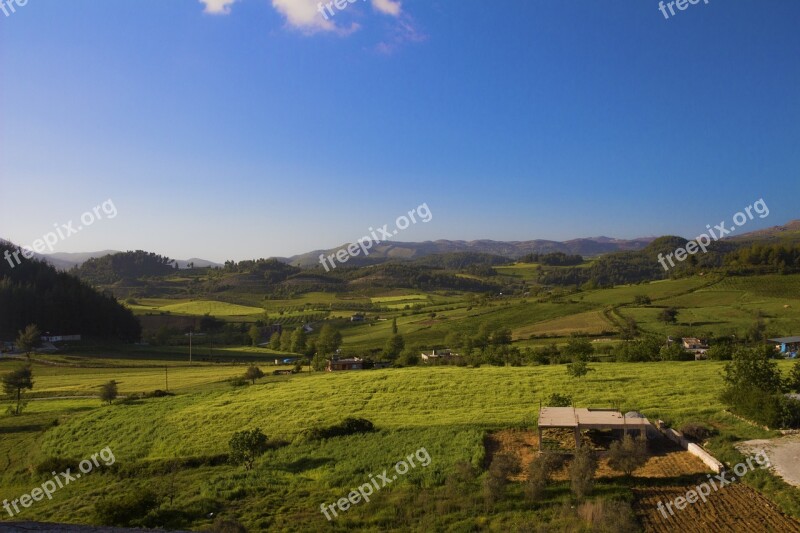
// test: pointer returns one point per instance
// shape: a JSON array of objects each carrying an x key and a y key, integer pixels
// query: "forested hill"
[
  {"x": 124, "y": 266},
  {"x": 34, "y": 292}
]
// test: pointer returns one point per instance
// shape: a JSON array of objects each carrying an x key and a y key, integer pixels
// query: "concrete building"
[{"x": 581, "y": 419}]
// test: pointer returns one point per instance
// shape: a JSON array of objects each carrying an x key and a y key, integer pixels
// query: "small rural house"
[
  {"x": 438, "y": 355},
  {"x": 788, "y": 346},
  {"x": 335, "y": 365},
  {"x": 696, "y": 346}
]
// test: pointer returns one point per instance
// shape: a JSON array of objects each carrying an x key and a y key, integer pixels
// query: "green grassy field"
[{"x": 447, "y": 410}]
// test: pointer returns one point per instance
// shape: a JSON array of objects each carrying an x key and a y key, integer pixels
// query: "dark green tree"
[
  {"x": 15, "y": 381},
  {"x": 275, "y": 341},
  {"x": 299, "y": 340},
  {"x": 29, "y": 339},
  {"x": 668, "y": 315},
  {"x": 253, "y": 373},
  {"x": 329, "y": 340},
  {"x": 108, "y": 391},
  {"x": 255, "y": 335},
  {"x": 247, "y": 446},
  {"x": 286, "y": 341},
  {"x": 394, "y": 346}
]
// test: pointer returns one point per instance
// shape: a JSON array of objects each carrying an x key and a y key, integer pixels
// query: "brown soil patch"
[
  {"x": 666, "y": 458},
  {"x": 734, "y": 507}
]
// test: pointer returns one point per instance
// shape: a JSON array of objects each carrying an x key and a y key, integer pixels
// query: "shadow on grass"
[
  {"x": 28, "y": 428},
  {"x": 306, "y": 463}
]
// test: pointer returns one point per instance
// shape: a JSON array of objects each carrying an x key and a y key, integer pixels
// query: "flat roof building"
[{"x": 580, "y": 419}]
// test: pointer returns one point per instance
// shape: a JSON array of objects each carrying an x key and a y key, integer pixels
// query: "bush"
[
  {"x": 697, "y": 432},
  {"x": 581, "y": 472},
  {"x": 348, "y": 426},
  {"x": 128, "y": 510},
  {"x": 158, "y": 393},
  {"x": 56, "y": 464},
  {"x": 539, "y": 472},
  {"x": 559, "y": 400},
  {"x": 226, "y": 525},
  {"x": 628, "y": 455},
  {"x": 503, "y": 466}
]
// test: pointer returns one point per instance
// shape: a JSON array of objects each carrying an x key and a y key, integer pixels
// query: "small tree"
[
  {"x": 578, "y": 348},
  {"x": 14, "y": 382},
  {"x": 539, "y": 472},
  {"x": 29, "y": 339},
  {"x": 675, "y": 352},
  {"x": 578, "y": 369},
  {"x": 581, "y": 472},
  {"x": 299, "y": 340},
  {"x": 628, "y": 455},
  {"x": 503, "y": 466},
  {"x": 108, "y": 391},
  {"x": 254, "y": 334},
  {"x": 253, "y": 373},
  {"x": 394, "y": 346},
  {"x": 286, "y": 341},
  {"x": 247, "y": 446},
  {"x": 668, "y": 315},
  {"x": 329, "y": 340},
  {"x": 794, "y": 378},
  {"x": 275, "y": 341},
  {"x": 394, "y": 326}
]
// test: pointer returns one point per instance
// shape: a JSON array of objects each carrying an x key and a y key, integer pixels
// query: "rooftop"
[
  {"x": 569, "y": 417},
  {"x": 784, "y": 340}
]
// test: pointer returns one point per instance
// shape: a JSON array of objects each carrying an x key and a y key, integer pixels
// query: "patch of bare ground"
[
  {"x": 735, "y": 507},
  {"x": 667, "y": 459}
]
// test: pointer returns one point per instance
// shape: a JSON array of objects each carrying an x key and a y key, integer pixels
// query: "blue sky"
[{"x": 234, "y": 130}]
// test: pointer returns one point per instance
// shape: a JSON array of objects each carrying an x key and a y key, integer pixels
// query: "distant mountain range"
[
  {"x": 587, "y": 247},
  {"x": 511, "y": 249}
]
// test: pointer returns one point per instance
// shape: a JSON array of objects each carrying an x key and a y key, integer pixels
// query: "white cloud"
[
  {"x": 305, "y": 15},
  {"x": 217, "y": 7},
  {"x": 388, "y": 7}
]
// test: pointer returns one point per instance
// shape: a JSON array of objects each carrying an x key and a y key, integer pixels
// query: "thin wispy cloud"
[
  {"x": 403, "y": 31},
  {"x": 217, "y": 7}
]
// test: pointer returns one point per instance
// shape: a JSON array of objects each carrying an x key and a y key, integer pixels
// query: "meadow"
[{"x": 446, "y": 410}]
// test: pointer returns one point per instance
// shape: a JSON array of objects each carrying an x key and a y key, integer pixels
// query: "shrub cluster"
[{"x": 348, "y": 426}]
